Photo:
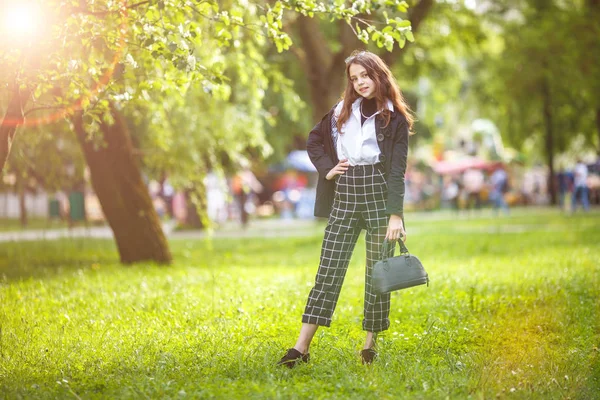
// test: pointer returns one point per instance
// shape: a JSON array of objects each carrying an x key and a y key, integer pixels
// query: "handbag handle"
[{"x": 384, "y": 251}]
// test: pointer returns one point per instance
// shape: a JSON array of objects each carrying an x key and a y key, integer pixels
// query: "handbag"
[{"x": 400, "y": 272}]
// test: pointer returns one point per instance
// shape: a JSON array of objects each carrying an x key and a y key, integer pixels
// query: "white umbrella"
[{"x": 299, "y": 160}]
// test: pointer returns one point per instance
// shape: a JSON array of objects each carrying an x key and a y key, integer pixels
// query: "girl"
[{"x": 359, "y": 149}]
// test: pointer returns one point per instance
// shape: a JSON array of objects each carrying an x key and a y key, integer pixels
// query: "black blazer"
[{"x": 393, "y": 144}]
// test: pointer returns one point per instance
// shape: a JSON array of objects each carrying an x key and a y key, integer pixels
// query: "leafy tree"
[
  {"x": 587, "y": 31},
  {"x": 98, "y": 61},
  {"x": 447, "y": 34},
  {"x": 324, "y": 46},
  {"x": 533, "y": 80},
  {"x": 48, "y": 159},
  {"x": 433, "y": 70}
]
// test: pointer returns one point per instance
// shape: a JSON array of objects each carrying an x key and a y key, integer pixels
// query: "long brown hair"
[{"x": 386, "y": 87}]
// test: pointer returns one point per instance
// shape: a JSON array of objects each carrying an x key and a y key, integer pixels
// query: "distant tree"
[
  {"x": 537, "y": 82},
  {"x": 588, "y": 33},
  {"x": 47, "y": 160}
]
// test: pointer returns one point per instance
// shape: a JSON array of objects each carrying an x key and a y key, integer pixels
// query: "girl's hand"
[
  {"x": 339, "y": 169},
  {"x": 395, "y": 229}
]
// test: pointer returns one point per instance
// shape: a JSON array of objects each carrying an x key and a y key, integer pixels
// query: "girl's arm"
[{"x": 395, "y": 203}]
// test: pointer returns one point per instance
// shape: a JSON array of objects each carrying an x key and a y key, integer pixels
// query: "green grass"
[
  {"x": 513, "y": 311},
  {"x": 12, "y": 224}
]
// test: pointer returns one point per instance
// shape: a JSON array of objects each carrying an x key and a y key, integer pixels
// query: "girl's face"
[{"x": 363, "y": 85}]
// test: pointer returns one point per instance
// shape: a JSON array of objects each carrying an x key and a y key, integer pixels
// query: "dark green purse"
[{"x": 400, "y": 272}]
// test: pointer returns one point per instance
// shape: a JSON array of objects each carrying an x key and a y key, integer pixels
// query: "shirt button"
[
  {"x": 380, "y": 137},
  {"x": 382, "y": 158}
]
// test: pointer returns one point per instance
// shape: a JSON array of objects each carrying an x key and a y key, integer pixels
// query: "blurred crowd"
[
  {"x": 290, "y": 193},
  {"x": 501, "y": 186}
]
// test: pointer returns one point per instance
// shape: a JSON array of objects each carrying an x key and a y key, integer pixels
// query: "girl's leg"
[
  {"x": 339, "y": 240},
  {"x": 307, "y": 332},
  {"x": 340, "y": 237},
  {"x": 370, "y": 342},
  {"x": 376, "y": 307}
]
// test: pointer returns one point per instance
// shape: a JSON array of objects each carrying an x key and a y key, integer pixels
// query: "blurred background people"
[
  {"x": 473, "y": 180},
  {"x": 499, "y": 186},
  {"x": 451, "y": 192},
  {"x": 243, "y": 185},
  {"x": 580, "y": 190},
  {"x": 565, "y": 188}
]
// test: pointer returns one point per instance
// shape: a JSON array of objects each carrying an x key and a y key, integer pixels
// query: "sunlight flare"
[{"x": 21, "y": 20}]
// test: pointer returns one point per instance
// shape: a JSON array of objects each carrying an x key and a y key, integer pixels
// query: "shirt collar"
[
  {"x": 390, "y": 105},
  {"x": 357, "y": 103}
]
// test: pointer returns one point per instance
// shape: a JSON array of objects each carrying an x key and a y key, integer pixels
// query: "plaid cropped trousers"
[{"x": 359, "y": 203}]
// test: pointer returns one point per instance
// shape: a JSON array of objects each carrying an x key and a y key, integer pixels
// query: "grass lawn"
[
  {"x": 12, "y": 224},
  {"x": 513, "y": 311}
]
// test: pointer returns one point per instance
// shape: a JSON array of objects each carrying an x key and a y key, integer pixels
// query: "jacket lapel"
[
  {"x": 330, "y": 137},
  {"x": 385, "y": 131}
]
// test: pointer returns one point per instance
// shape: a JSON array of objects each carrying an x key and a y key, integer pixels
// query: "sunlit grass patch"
[{"x": 507, "y": 314}]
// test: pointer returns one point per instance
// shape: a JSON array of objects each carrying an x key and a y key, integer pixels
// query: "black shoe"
[
  {"x": 292, "y": 357},
  {"x": 368, "y": 355}
]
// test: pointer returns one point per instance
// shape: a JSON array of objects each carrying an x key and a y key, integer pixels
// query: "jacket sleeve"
[
  {"x": 316, "y": 147},
  {"x": 396, "y": 187}
]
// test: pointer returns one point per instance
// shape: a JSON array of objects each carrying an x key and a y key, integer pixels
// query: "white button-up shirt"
[{"x": 358, "y": 142}]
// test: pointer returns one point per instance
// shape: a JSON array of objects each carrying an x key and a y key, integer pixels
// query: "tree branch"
[
  {"x": 349, "y": 41},
  {"x": 12, "y": 119},
  {"x": 416, "y": 15},
  {"x": 245, "y": 26},
  {"x": 41, "y": 108},
  {"x": 81, "y": 10}
]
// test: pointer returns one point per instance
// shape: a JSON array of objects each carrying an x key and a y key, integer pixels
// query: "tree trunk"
[
  {"x": 598, "y": 127},
  {"x": 549, "y": 139},
  {"x": 12, "y": 119},
  {"x": 192, "y": 218},
  {"x": 319, "y": 64},
  {"x": 594, "y": 11},
  {"x": 125, "y": 201},
  {"x": 21, "y": 190}
]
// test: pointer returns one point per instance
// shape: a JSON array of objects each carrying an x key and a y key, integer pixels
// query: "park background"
[{"x": 156, "y": 236}]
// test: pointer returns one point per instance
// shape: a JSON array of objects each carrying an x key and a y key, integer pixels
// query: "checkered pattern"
[
  {"x": 359, "y": 203},
  {"x": 334, "y": 131}
]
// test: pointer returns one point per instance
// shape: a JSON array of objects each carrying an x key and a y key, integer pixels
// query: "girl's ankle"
[{"x": 302, "y": 349}]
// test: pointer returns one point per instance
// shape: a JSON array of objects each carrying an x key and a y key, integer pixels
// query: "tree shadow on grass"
[{"x": 44, "y": 259}]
